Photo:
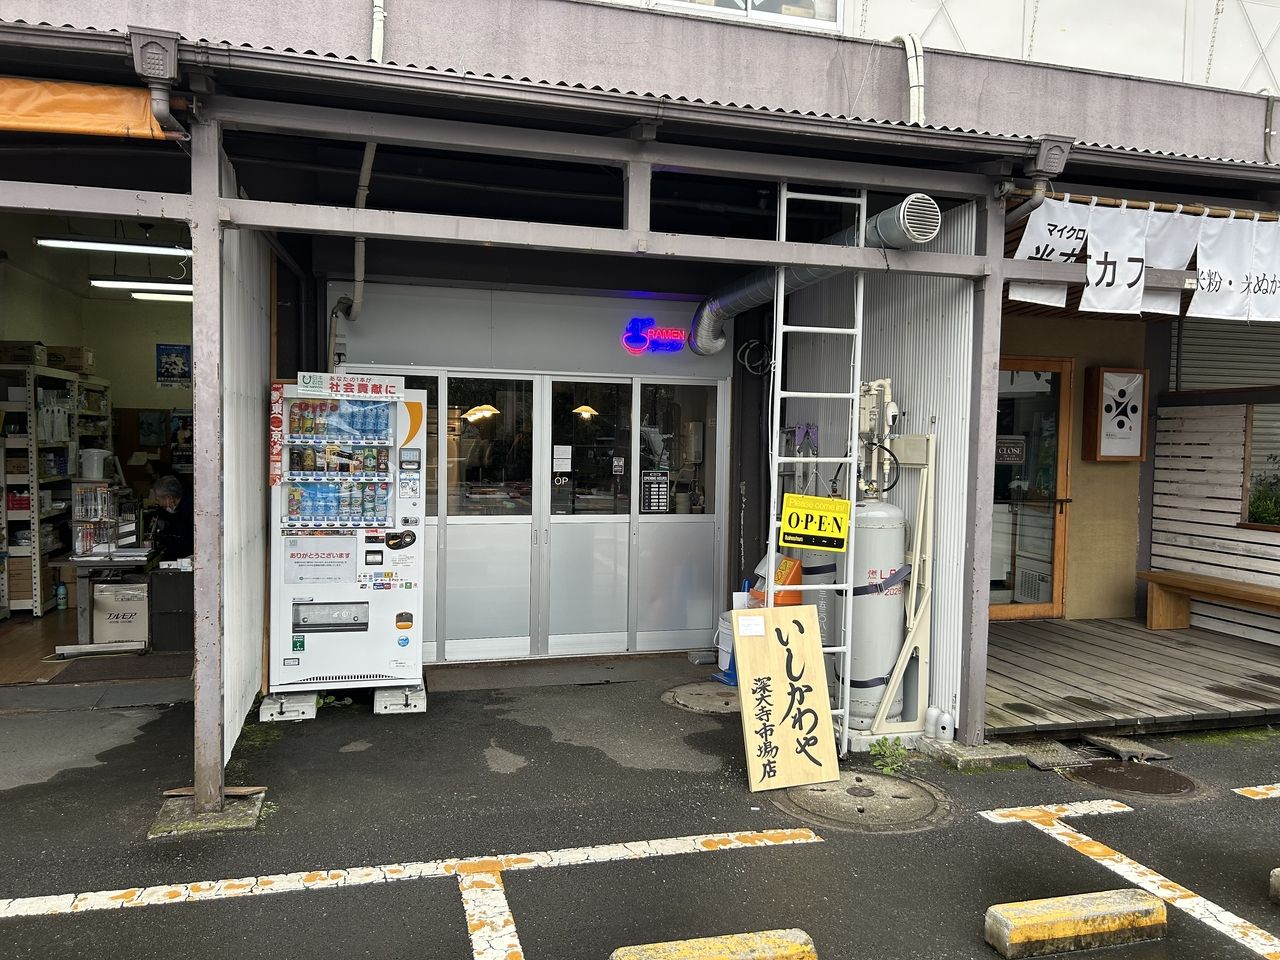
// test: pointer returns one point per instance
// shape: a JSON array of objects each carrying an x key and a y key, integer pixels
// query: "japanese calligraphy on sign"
[{"x": 782, "y": 686}]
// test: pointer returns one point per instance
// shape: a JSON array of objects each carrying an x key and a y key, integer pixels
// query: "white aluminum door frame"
[
  {"x": 547, "y": 521},
  {"x": 539, "y": 601}
]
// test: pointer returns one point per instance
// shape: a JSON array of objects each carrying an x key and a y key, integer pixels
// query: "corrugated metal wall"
[
  {"x": 1221, "y": 354},
  {"x": 918, "y": 332},
  {"x": 246, "y": 331}
]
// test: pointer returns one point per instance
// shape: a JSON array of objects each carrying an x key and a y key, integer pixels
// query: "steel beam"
[
  {"x": 983, "y": 398},
  {"x": 463, "y": 136},
  {"x": 207, "y": 379},
  {"x": 68, "y": 199},
  {"x": 566, "y": 238},
  {"x": 1074, "y": 273}
]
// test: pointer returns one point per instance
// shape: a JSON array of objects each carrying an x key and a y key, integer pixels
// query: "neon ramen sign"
[{"x": 642, "y": 335}]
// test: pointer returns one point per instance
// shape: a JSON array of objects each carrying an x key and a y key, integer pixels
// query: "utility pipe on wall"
[
  {"x": 366, "y": 167},
  {"x": 914, "y": 50}
]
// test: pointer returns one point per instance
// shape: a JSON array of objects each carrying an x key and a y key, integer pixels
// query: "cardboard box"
[
  {"x": 75, "y": 359},
  {"x": 16, "y": 464},
  {"x": 20, "y": 579},
  {"x": 24, "y": 351},
  {"x": 119, "y": 612}
]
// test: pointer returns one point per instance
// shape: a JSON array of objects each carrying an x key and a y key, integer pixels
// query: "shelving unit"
[
  {"x": 41, "y": 444},
  {"x": 93, "y": 412}
]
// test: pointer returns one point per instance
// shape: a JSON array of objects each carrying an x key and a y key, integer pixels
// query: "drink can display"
[
  {"x": 295, "y": 502},
  {"x": 357, "y": 417},
  {"x": 306, "y": 418},
  {"x": 384, "y": 459},
  {"x": 383, "y": 499},
  {"x": 371, "y": 458},
  {"x": 295, "y": 417},
  {"x": 320, "y": 419},
  {"x": 335, "y": 420},
  {"x": 344, "y": 500},
  {"x": 308, "y": 501},
  {"x": 368, "y": 501},
  {"x": 295, "y": 459},
  {"x": 308, "y": 459},
  {"x": 331, "y": 501},
  {"x": 331, "y": 453},
  {"x": 384, "y": 418}
]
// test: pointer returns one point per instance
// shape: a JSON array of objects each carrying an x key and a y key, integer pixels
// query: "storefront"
[{"x": 580, "y": 478}]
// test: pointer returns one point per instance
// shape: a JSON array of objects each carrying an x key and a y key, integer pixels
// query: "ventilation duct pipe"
[
  {"x": 914, "y": 50},
  {"x": 914, "y": 221}
]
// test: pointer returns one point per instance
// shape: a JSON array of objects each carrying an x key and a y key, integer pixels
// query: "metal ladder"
[{"x": 842, "y": 649}]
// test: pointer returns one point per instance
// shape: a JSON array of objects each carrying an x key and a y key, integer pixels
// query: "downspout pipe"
[
  {"x": 1039, "y": 188},
  {"x": 914, "y": 221},
  {"x": 914, "y": 50},
  {"x": 366, "y": 164}
]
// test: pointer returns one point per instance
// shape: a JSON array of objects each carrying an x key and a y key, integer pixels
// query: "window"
[
  {"x": 490, "y": 447},
  {"x": 1262, "y": 471},
  {"x": 591, "y": 448},
  {"x": 816, "y": 12},
  {"x": 677, "y": 444}
]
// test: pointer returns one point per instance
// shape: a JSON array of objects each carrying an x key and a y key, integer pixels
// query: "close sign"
[{"x": 815, "y": 523}]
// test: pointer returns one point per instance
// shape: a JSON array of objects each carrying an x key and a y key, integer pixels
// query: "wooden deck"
[{"x": 1060, "y": 675}]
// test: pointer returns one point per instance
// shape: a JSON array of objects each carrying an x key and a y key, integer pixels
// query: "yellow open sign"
[{"x": 815, "y": 523}]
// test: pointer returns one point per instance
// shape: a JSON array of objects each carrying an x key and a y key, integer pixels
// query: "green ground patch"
[{"x": 1233, "y": 735}]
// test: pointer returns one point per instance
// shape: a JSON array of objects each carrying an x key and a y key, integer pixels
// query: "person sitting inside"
[{"x": 174, "y": 533}]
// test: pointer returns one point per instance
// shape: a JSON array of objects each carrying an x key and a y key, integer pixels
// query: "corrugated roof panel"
[{"x": 675, "y": 98}]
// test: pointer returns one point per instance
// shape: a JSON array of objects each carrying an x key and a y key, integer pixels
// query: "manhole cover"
[
  {"x": 705, "y": 696},
  {"x": 1140, "y": 779},
  {"x": 868, "y": 802}
]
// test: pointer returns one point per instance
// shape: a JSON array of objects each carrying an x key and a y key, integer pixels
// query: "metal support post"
[
  {"x": 207, "y": 379},
  {"x": 984, "y": 391}
]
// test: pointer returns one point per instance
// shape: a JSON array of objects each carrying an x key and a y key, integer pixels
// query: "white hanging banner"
[
  {"x": 1117, "y": 260},
  {"x": 1264, "y": 276},
  {"x": 1224, "y": 258},
  {"x": 1171, "y": 240},
  {"x": 1056, "y": 233}
]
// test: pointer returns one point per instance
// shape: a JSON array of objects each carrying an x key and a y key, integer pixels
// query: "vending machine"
[{"x": 346, "y": 555}]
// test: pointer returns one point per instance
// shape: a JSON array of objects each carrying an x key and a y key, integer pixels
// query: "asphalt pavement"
[{"x": 529, "y": 769}]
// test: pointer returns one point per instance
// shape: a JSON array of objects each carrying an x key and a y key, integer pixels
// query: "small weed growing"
[{"x": 890, "y": 757}]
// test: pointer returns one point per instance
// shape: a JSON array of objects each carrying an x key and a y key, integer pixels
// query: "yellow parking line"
[
  {"x": 1265, "y": 791},
  {"x": 1048, "y": 820}
]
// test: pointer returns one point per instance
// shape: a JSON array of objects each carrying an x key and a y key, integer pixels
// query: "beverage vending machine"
[{"x": 346, "y": 558}]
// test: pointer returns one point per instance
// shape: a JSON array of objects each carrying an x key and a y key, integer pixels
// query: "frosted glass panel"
[
  {"x": 589, "y": 577},
  {"x": 487, "y": 581}
]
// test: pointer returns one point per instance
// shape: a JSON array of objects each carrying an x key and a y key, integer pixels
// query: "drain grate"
[
  {"x": 867, "y": 802},
  {"x": 1136, "y": 779},
  {"x": 1051, "y": 755}
]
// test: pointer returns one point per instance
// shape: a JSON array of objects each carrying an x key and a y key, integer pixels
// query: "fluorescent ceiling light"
[
  {"x": 106, "y": 245},
  {"x": 175, "y": 297},
  {"x": 125, "y": 283}
]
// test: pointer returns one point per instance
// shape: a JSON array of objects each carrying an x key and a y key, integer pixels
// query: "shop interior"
[{"x": 95, "y": 368}]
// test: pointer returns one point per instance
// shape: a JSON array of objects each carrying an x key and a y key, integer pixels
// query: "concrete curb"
[
  {"x": 765, "y": 945},
  {"x": 993, "y": 754},
  {"x": 1036, "y": 928}
]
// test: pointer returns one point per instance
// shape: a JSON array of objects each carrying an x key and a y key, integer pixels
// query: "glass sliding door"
[
  {"x": 677, "y": 604},
  {"x": 1031, "y": 499},
  {"x": 488, "y": 478},
  {"x": 586, "y": 534}
]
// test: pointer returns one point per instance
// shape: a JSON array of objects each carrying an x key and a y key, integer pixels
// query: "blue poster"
[{"x": 173, "y": 365}]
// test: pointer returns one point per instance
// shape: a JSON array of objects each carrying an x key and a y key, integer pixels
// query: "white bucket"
[
  {"x": 93, "y": 464},
  {"x": 724, "y": 641}
]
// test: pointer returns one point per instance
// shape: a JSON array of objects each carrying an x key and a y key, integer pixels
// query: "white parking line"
[
  {"x": 489, "y": 921},
  {"x": 1265, "y": 791},
  {"x": 1048, "y": 819}
]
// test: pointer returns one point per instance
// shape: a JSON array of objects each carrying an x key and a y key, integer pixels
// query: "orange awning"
[{"x": 58, "y": 106}]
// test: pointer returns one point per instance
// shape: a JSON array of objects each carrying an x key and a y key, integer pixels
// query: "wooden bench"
[{"x": 1170, "y": 594}]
